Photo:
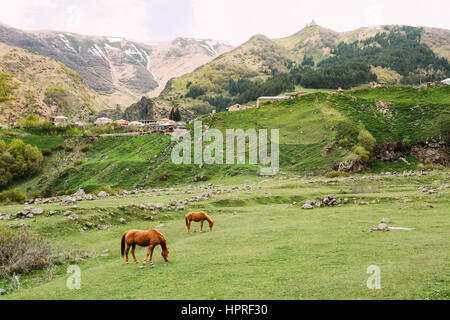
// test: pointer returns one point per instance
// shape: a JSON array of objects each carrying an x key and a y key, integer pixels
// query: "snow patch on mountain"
[{"x": 66, "y": 42}]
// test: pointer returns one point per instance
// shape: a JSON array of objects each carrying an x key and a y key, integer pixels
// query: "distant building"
[
  {"x": 238, "y": 107},
  {"x": 165, "y": 121},
  {"x": 446, "y": 81},
  {"x": 102, "y": 121},
  {"x": 136, "y": 124},
  {"x": 122, "y": 122},
  {"x": 148, "y": 123},
  {"x": 60, "y": 120},
  {"x": 272, "y": 99}
]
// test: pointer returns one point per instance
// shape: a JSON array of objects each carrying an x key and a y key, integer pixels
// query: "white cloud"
[{"x": 232, "y": 20}]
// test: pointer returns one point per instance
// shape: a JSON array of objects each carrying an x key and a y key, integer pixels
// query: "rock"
[
  {"x": 122, "y": 221},
  {"x": 37, "y": 211},
  {"x": 102, "y": 194},
  {"x": 51, "y": 213},
  {"x": 79, "y": 193},
  {"x": 2, "y": 291},
  {"x": 307, "y": 206},
  {"x": 88, "y": 224},
  {"x": 73, "y": 216},
  {"x": 68, "y": 213},
  {"x": 385, "y": 220},
  {"x": 102, "y": 227},
  {"x": 331, "y": 196},
  {"x": 382, "y": 226}
]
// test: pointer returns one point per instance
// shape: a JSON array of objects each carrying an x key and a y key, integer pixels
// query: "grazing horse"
[
  {"x": 143, "y": 238},
  {"x": 198, "y": 216}
]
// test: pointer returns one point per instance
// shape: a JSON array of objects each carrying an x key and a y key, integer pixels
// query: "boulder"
[
  {"x": 382, "y": 226},
  {"x": 122, "y": 221},
  {"x": 2, "y": 291},
  {"x": 307, "y": 206}
]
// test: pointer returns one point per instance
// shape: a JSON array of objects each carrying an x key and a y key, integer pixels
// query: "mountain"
[
  {"x": 32, "y": 83},
  {"x": 120, "y": 70},
  {"x": 219, "y": 82}
]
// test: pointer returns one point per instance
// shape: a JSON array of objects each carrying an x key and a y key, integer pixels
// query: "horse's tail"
[{"x": 122, "y": 247}]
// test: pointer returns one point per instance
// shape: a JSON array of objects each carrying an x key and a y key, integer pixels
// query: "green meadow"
[{"x": 262, "y": 246}]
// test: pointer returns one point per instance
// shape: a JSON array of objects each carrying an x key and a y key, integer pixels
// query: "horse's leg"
[
  {"x": 126, "y": 252},
  {"x": 132, "y": 252},
  {"x": 151, "y": 254},
  {"x": 150, "y": 249},
  {"x": 189, "y": 226},
  {"x": 201, "y": 226}
]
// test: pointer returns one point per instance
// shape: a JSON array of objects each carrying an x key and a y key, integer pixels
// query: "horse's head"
[
  {"x": 165, "y": 253},
  {"x": 211, "y": 223}
]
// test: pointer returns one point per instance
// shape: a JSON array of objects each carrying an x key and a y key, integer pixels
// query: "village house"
[
  {"x": 122, "y": 122},
  {"x": 148, "y": 123},
  {"x": 60, "y": 121},
  {"x": 136, "y": 124},
  {"x": 102, "y": 121},
  {"x": 446, "y": 81}
]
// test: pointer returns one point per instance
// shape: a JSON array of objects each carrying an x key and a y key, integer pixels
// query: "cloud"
[{"x": 232, "y": 20}]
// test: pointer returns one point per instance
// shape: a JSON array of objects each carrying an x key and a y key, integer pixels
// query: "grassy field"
[{"x": 262, "y": 246}]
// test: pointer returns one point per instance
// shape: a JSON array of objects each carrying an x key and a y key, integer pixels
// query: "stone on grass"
[
  {"x": 122, "y": 221},
  {"x": 307, "y": 206}
]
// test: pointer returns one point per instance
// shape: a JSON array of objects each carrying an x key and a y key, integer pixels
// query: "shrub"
[
  {"x": 362, "y": 153},
  {"x": 366, "y": 140},
  {"x": 430, "y": 166},
  {"x": 78, "y": 163},
  {"x": 85, "y": 148},
  {"x": 346, "y": 132},
  {"x": 12, "y": 196},
  {"x": 18, "y": 160},
  {"x": 22, "y": 252},
  {"x": 335, "y": 174},
  {"x": 46, "y": 152}
]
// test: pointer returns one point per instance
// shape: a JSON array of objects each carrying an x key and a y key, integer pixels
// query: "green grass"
[
  {"x": 260, "y": 248},
  {"x": 306, "y": 127}
]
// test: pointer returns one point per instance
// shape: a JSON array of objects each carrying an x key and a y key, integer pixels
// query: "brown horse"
[
  {"x": 198, "y": 216},
  {"x": 143, "y": 238}
]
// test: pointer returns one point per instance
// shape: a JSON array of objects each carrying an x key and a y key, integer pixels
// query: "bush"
[
  {"x": 85, "y": 148},
  {"x": 46, "y": 152},
  {"x": 78, "y": 163},
  {"x": 346, "y": 132},
  {"x": 12, "y": 196},
  {"x": 366, "y": 140},
  {"x": 18, "y": 160},
  {"x": 430, "y": 166},
  {"x": 335, "y": 174},
  {"x": 22, "y": 252},
  {"x": 362, "y": 153}
]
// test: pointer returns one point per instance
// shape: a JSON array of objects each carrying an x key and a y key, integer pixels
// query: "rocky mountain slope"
[
  {"x": 120, "y": 70},
  {"x": 36, "y": 84}
]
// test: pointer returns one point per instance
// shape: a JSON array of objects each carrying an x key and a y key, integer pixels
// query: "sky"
[{"x": 234, "y": 21}]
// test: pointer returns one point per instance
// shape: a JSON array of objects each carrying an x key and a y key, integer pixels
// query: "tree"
[
  {"x": 177, "y": 115},
  {"x": 171, "y": 115}
]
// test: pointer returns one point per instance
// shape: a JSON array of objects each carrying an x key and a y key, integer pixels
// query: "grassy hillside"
[
  {"x": 36, "y": 84},
  {"x": 262, "y": 246},
  {"x": 307, "y": 132}
]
